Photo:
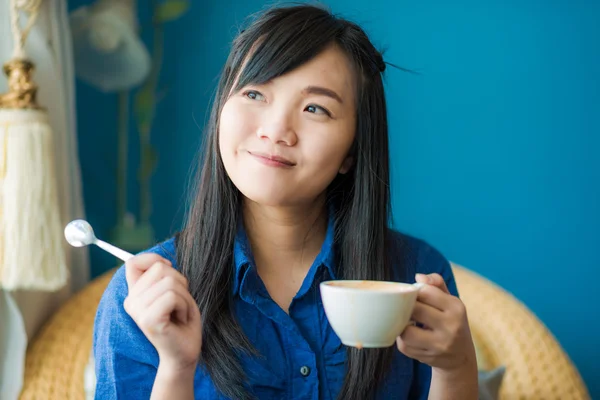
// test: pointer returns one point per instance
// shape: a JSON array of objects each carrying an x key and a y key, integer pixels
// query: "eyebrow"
[{"x": 323, "y": 92}]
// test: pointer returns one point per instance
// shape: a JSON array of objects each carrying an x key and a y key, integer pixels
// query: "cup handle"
[{"x": 418, "y": 286}]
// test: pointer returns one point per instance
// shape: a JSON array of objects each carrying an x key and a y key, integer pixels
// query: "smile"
[{"x": 272, "y": 160}]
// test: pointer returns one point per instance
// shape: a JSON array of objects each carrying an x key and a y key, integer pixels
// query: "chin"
[
  {"x": 271, "y": 189},
  {"x": 269, "y": 198}
]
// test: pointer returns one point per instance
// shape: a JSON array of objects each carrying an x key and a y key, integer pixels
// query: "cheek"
[
  {"x": 329, "y": 149},
  {"x": 324, "y": 156},
  {"x": 227, "y": 127},
  {"x": 234, "y": 128}
]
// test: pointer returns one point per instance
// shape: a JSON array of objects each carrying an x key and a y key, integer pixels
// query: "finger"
[
  {"x": 410, "y": 351},
  {"x": 193, "y": 309},
  {"x": 159, "y": 314},
  {"x": 418, "y": 338},
  {"x": 434, "y": 297},
  {"x": 434, "y": 280},
  {"x": 157, "y": 272},
  {"x": 427, "y": 315},
  {"x": 146, "y": 298},
  {"x": 136, "y": 266},
  {"x": 169, "y": 282},
  {"x": 140, "y": 305}
]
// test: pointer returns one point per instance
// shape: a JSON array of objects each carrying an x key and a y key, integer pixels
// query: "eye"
[
  {"x": 314, "y": 109},
  {"x": 254, "y": 95}
]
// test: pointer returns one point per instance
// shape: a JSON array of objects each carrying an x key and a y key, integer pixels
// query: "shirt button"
[{"x": 305, "y": 371}]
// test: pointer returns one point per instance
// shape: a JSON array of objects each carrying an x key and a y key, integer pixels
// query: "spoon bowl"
[{"x": 79, "y": 233}]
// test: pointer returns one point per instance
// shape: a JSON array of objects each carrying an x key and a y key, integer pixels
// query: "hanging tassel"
[{"x": 32, "y": 253}]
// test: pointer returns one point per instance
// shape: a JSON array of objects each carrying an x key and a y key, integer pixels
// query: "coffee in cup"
[{"x": 366, "y": 313}]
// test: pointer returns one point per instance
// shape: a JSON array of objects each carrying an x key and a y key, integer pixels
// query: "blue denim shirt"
[{"x": 302, "y": 358}]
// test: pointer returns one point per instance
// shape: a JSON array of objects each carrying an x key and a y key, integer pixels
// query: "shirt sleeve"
[
  {"x": 125, "y": 361},
  {"x": 430, "y": 260}
]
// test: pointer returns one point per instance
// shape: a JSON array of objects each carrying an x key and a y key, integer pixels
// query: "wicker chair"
[{"x": 504, "y": 330}]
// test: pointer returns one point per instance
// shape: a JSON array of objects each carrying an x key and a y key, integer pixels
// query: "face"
[{"x": 283, "y": 142}]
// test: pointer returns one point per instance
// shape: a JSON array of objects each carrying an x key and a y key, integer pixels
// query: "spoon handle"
[{"x": 115, "y": 251}]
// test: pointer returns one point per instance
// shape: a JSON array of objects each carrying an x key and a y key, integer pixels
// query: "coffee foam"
[{"x": 372, "y": 286}]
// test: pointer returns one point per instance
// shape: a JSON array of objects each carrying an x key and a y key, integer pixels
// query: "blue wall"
[{"x": 494, "y": 147}]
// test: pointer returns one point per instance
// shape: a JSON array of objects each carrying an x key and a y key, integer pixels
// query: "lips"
[{"x": 272, "y": 158}]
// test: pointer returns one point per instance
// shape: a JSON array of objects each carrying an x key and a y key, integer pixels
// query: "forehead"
[{"x": 330, "y": 69}]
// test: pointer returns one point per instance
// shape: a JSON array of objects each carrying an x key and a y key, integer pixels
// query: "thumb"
[
  {"x": 137, "y": 265},
  {"x": 433, "y": 280}
]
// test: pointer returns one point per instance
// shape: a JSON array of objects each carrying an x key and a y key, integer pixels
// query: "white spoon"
[{"x": 79, "y": 233}]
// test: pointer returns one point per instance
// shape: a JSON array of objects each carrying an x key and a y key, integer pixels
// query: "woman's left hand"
[{"x": 444, "y": 342}]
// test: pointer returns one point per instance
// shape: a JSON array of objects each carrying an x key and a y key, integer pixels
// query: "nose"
[{"x": 278, "y": 129}]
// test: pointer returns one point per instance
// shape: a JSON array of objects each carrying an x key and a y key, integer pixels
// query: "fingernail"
[{"x": 423, "y": 278}]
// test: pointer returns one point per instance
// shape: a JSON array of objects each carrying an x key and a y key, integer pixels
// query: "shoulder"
[
  {"x": 166, "y": 249},
  {"x": 421, "y": 255},
  {"x": 411, "y": 255}
]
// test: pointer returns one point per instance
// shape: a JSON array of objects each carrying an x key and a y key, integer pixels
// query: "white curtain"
[{"x": 22, "y": 313}]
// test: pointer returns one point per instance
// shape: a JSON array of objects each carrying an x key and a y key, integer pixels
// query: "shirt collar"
[{"x": 244, "y": 260}]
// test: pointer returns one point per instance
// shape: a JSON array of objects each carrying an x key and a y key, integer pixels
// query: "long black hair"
[{"x": 279, "y": 40}]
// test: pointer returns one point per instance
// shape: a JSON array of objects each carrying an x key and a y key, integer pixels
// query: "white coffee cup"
[{"x": 368, "y": 313}]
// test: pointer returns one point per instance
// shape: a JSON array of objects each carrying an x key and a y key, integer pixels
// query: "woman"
[{"x": 293, "y": 190}]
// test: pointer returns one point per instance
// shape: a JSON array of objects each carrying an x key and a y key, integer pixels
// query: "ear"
[{"x": 346, "y": 165}]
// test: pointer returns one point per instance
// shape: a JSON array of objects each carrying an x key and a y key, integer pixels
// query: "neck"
[{"x": 285, "y": 237}]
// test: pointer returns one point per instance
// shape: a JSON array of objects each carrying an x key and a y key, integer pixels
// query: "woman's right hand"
[{"x": 161, "y": 305}]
